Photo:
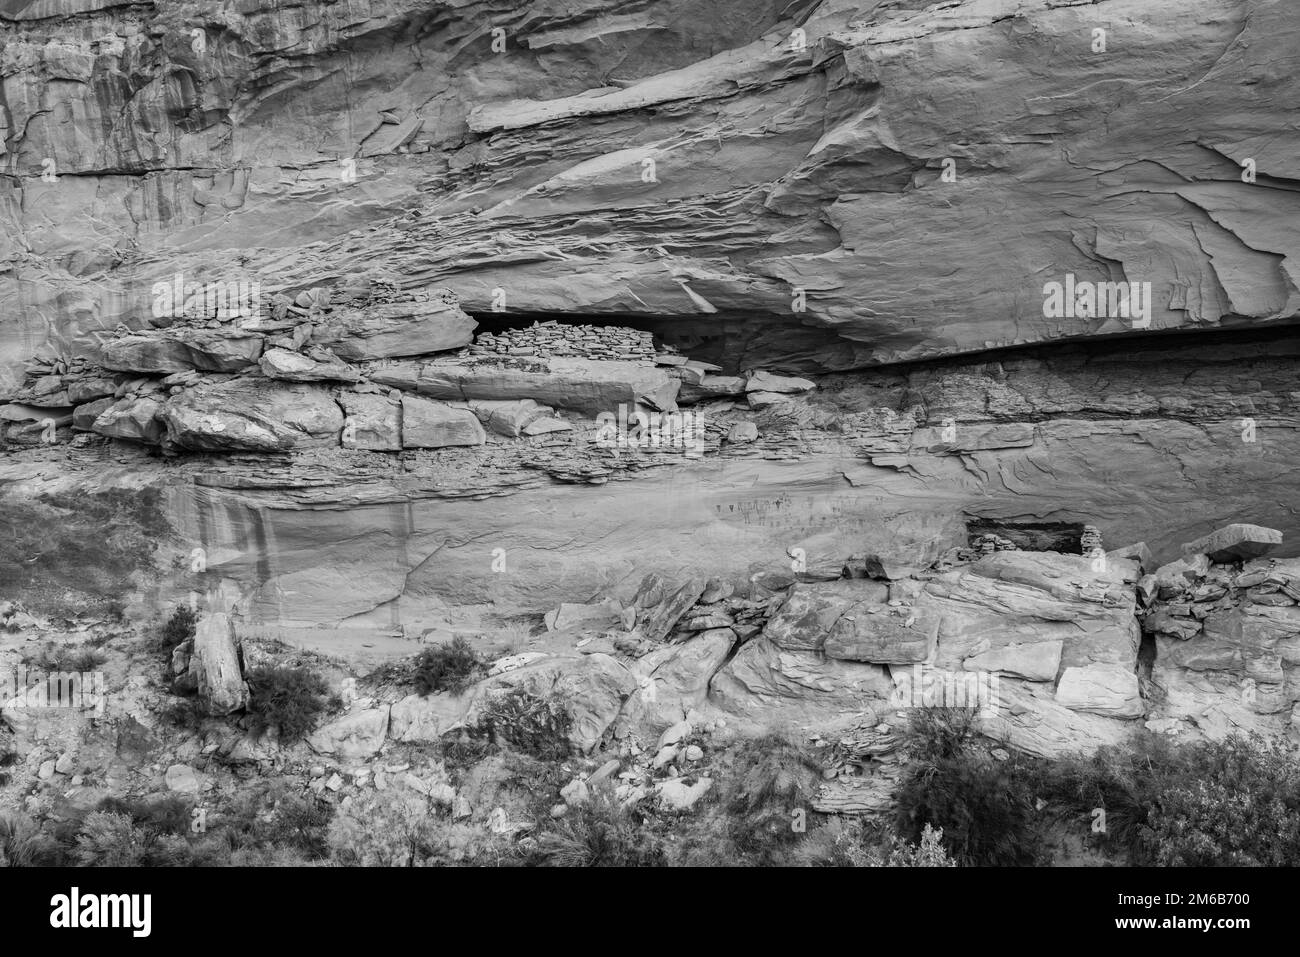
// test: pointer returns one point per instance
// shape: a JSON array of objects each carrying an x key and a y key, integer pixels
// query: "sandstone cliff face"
[
  {"x": 823, "y": 185},
  {"x": 873, "y": 195}
]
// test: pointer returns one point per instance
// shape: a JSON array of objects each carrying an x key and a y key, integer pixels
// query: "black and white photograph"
[{"x": 488, "y": 435}]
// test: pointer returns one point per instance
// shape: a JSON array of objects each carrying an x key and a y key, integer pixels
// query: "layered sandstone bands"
[{"x": 798, "y": 205}]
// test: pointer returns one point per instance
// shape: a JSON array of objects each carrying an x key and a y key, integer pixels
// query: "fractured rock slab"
[
  {"x": 176, "y": 350},
  {"x": 1105, "y": 689},
  {"x": 258, "y": 415},
  {"x": 583, "y": 385},
  {"x": 509, "y": 417},
  {"x": 296, "y": 367},
  {"x": 432, "y": 425},
  {"x": 887, "y": 637},
  {"x": 1033, "y": 660},
  {"x": 373, "y": 422},
  {"x": 357, "y": 735},
  {"x": 767, "y": 382},
  {"x": 1235, "y": 542},
  {"x": 430, "y": 323},
  {"x": 660, "y": 603},
  {"x": 811, "y": 609},
  {"x": 136, "y": 420}
]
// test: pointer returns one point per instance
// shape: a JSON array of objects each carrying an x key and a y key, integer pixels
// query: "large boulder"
[
  {"x": 180, "y": 349},
  {"x": 1235, "y": 542},
  {"x": 372, "y": 422},
  {"x": 134, "y": 419},
  {"x": 434, "y": 425},
  {"x": 289, "y": 366},
  {"x": 1027, "y": 717},
  {"x": 89, "y": 388},
  {"x": 571, "y": 615},
  {"x": 591, "y": 689},
  {"x": 424, "y": 719},
  {"x": 884, "y": 636},
  {"x": 812, "y": 610},
  {"x": 84, "y": 416},
  {"x": 508, "y": 417},
  {"x": 215, "y": 665},
  {"x": 256, "y": 415},
  {"x": 430, "y": 322},
  {"x": 1030, "y": 660},
  {"x": 767, "y": 382},
  {"x": 660, "y": 603},
  {"x": 673, "y": 679},
  {"x": 767, "y": 685},
  {"x": 357, "y": 735}
]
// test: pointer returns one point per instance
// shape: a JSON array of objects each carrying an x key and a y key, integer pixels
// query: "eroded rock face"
[
  {"x": 1227, "y": 648},
  {"x": 995, "y": 610},
  {"x": 841, "y": 161}
]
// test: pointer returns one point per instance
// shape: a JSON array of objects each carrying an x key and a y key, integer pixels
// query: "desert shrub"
[
  {"x": 111, "y": 840},
  {"x": 148, "y": 832},
  {"x": 157, "y": 815},
  {"x": 269, "y": 824},
  {"x": 177, "y": 629},
  {"x": 24, "y": 844},
  {"x": 290, "y": 700},
  {"x": 929, "y": 853},
  {"x": 8, "y": 758},
  {"x": 54, "y": 658},
  {"x": 396, "y": 829},
  {"x": 935, "y": 733},
  {"x": 450, "y": 667},
  {"x": 853, "y": 843},
  {"x": 187, "y": 714},
  {"x": 599, "y": 833},
  {"x": 300, "y": 823},
  {"x": 1227, "y": 803},
  {"x": 764, "y": 783},
  {"x": 984, "y": 808},
  {"x": 528, "y": 720},
  {"x": 464, "y": 751}
]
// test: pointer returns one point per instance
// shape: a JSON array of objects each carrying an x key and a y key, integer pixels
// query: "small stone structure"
[{"x": 553, "y": 339}]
